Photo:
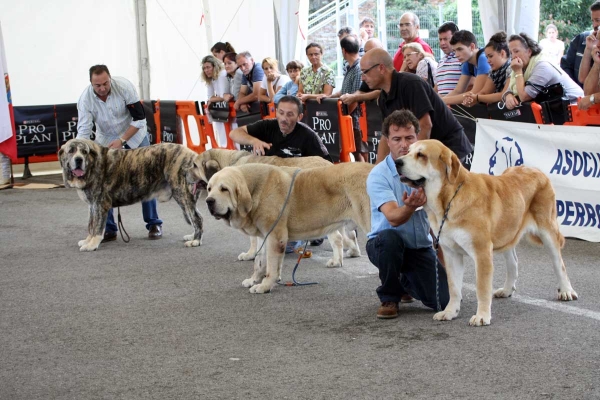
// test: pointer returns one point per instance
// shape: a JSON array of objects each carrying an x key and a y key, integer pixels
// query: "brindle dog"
[{"x": 112, "y": 178}]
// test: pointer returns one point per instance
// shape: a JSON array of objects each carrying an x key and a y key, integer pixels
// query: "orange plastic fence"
[
  {"x": 591, "y": 116},
  {"x": 346, "y": 135}
]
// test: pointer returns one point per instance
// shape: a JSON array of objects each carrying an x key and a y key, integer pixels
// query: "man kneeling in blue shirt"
[{"x": 399, "y": 243}]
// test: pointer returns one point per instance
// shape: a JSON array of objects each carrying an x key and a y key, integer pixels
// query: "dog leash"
[
  {"x": 121, "y": 227},
  {"x": 436, "y": 245},
  {"x": 300, "y": 256},
  {"x": 280, "y": 213}
]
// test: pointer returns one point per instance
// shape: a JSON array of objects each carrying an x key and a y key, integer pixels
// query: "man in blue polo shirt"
[
  {"x": 251, "y": 80},
  {"x": 399, "y": 244}
]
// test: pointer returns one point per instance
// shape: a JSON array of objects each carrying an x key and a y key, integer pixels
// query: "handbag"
[
  {"x": 521, "y": 113},
  {"x": 553, "y": 101}
]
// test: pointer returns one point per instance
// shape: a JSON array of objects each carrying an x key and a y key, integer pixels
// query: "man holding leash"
[
  {"x": 112, "y": 103},
  {"x": 399, "y": 244}
]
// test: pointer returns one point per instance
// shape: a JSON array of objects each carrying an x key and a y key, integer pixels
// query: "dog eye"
[
  {"x": 84, "y": 152},
  {"x": 421, "y": 155},
  {"x": 71, "y": 150},
  {"x": 224, "y": 189}
]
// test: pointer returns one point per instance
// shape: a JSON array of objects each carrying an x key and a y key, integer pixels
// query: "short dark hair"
[
  {"x": 350, "y": 44},
  {"x": 595, "y": 6},
  {"x": 345, "y": 30},
  {"x": 463, "y": 37},
  {"x": 313, "y": 45},
  {"x": 230, "y": 56},
  {"x": 402, "y": 119},
  {"x": 527, "y": 42},
  {"x": 98, "y": 69},
  {"x": 291, "y": 99},
  {"x": 448, "y": 26},
  {"x": 294, "y": 64}
]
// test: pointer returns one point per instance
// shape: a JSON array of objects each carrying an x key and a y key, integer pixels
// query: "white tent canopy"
[{"x": 51, "y": 45}]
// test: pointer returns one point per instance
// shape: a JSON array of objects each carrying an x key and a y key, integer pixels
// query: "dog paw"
[
  {"x": 247, "y": 283},
  {"x": 87, "y": 247},
  {"x": 445, "y": 316},
  {"x": 567, "y": 295},
  {"x": 352, "y": 253},
  {"x": 82, "y": 242},
  {"x": 480, "y": 320},
  {"x": 260, "y": 289},
  {"x": 246, "y": 257},
  {"x": 333, "y": 264},
  {"x": 187, "y": 238},
  {"x": 503, "y": 293},
  {"x": 193, "y": 243}
]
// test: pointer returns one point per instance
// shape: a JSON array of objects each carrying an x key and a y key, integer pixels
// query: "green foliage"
[{"x": 571, "y": 17}]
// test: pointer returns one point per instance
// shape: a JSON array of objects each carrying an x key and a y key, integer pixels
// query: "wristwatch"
[
  {"x": 123, "y": 142},
  {"x": 592, "y": 100}
]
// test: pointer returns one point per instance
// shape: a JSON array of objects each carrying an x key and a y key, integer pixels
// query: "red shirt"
[{"x": 399, "y": 57}]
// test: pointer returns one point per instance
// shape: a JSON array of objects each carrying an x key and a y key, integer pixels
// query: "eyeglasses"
[
  {"x": 366, "y": 71},
  {"x": 410, "y": 54},
  {"x": 405, "y": 25}
]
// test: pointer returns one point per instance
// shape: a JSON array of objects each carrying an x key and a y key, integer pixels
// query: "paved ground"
[{"x": 155, "y": 320}]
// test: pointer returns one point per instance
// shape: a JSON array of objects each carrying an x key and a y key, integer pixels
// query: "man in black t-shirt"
[
  {"x": 284, "y": 136},
  {"x": 408, "y": 91}
]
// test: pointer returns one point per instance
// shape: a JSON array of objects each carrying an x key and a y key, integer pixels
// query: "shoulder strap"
[{"x": 471, "y": 66}]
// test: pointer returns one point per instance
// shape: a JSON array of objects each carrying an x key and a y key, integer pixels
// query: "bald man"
[
  {"x": 400, "y": 90},
  {"x": 409, "y": 31},
  {"x": 363, "y": 93}
]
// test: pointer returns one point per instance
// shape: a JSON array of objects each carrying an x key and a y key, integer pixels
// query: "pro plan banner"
[
  {"x": 171, "y": 131},
  {"x": 149, "y": 109},
  {"x": 66, "y": 122},
  {"x": 374, "y": 123},
  {"x": 324, "y": 119},
  {"x": 36, "y": 131},
  {"x": 568, "y": 155}
]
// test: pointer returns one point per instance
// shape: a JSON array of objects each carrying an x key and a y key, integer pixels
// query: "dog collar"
[{"x": 436, "y": 239}]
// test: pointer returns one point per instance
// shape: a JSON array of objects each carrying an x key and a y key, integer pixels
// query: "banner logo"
[{"x": 507, "y": 154}]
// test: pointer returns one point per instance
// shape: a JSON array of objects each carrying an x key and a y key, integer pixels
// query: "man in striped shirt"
[
  {"x": 112, "y": 103},
  {"x": 449, "y": 68}
]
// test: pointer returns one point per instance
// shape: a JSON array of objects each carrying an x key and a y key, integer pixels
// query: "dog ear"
[
  {"x": 452, "y": 165},
  {"x": 60, "y": 155},
  {"x": 244, "y": 199},
  {"x": 211, "y": 167}
]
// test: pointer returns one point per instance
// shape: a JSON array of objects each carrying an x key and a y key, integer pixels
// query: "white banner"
[
  {"x": 6, "y": 129},
  {"x": 568, "y": 155}
]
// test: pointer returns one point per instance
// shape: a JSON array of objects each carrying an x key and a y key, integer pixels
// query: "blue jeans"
[
  {"x": 407, "y": 271},
  {"x": 148, "y": 208}
]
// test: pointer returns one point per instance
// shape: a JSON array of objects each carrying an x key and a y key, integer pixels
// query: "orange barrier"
[
  {"x": 157, "y": 120},
  {"x": 537, "y": 113},
  {"x": 591, "y": 116},
  {"x": 230, "y": 145},
  {"x": 362, "y": 121},
  {"x": 187, "y": 108},
  {"x": 346, "y": 135}
]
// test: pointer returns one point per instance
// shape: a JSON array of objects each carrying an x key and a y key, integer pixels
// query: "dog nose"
[
  {"x": 210, "y": 202},
  {"x": 399, "y": 162},
  {"x": 78, "y": 162}
]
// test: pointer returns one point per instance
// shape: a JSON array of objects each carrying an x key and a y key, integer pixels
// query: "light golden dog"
[
  {"x": 322, "y": 200},
  {"x": 486, "y": 214},
  {"x": 212, "y": 161}
]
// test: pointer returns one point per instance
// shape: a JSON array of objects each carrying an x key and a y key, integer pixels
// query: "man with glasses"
[
  {"x": 400, "y": 91},
  {"x": 578, "y": 60},
  {"x": 409, "y": 31},
  {"x": 112, "y": 103}
]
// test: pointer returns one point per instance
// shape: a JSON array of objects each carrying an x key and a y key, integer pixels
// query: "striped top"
[
  {"x": 448, "y": 73},
  {"x": 112, "y": 117}
]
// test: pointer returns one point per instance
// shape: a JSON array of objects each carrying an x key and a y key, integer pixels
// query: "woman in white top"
[
  {"x": 215, "y": 76},
  {"x": 418, "y": 61},
  {"x": 217, "y": 88},
  {"x": 551, "y": 46},
  {"x": 272, "y": 81}
]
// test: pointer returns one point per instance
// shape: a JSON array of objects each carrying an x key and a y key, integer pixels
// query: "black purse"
[
  {"x": 554, "y": 102},
  {"x": 521, "y": 113}
]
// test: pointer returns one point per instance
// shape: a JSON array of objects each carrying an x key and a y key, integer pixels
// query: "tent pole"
[{"x": 142, "y": 48}]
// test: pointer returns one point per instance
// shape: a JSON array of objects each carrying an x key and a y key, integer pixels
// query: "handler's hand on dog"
[
  {"x": 115, "y": 144},
  {"x": 416, "y": 199},
  {"x": 260, "y": 148}
]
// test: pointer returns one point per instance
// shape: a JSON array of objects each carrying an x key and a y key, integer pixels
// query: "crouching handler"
[{"x": 399, "y": 243}]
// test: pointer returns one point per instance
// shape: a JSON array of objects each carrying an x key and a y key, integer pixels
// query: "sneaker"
[
  {"x": 388, "y": 310},
  {"x": 316, "y": 242}
]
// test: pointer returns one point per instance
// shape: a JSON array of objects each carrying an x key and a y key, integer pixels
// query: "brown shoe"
[
  {"x": 407, "y": 298},
  {"x": 388, "y": 310},
  {"x": 155, "y": 232},
  {"x": 109, "y": 237}
]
